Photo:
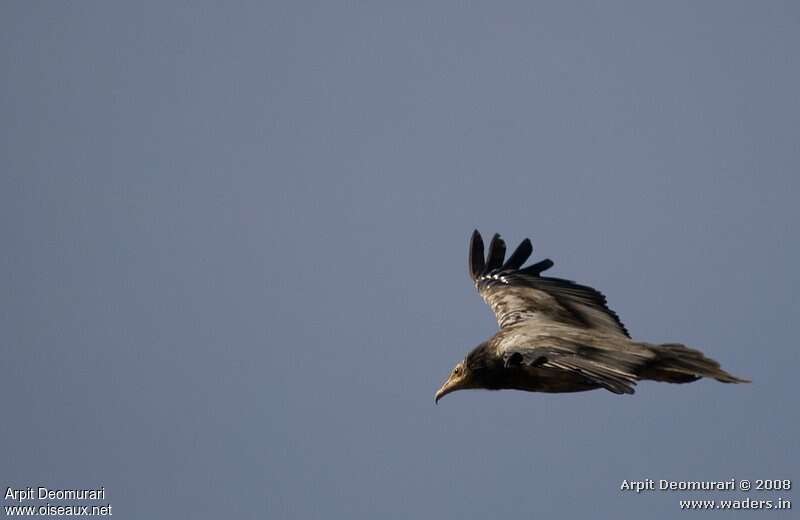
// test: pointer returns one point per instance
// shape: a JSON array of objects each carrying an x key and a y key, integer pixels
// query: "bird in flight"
[{"x": 558, "y": 336}]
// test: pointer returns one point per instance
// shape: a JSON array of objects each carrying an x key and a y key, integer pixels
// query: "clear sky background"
[{"x": 234, "y": 245}]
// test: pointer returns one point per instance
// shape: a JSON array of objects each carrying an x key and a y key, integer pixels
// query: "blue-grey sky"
[{"x": 234, "y": 249}]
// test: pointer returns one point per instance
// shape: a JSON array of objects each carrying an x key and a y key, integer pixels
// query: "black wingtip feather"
[
  {"x": 479, "y": 265},
  {"x": 497, "y": 252},
  {"x": 476, "y": 260},
  {"x": 538, "y": 268},
  {"x": 519, "y": 256}
]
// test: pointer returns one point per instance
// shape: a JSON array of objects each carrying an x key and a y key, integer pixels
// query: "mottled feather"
[{"x": 516, "y": 294}]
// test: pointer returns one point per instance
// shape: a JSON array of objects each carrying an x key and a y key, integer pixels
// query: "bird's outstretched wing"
[
  {"x": 517, "y": 293},
  {"x": 614, "y": 370}
]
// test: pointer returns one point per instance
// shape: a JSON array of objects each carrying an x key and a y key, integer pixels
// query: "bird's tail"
[{"x": 675, "y": 363}]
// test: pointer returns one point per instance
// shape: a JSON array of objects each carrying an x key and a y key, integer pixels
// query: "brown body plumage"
[{"x": 559, "y": 336}]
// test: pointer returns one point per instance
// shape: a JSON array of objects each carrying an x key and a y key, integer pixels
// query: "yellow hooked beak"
[{"x": 456, "y": 381}]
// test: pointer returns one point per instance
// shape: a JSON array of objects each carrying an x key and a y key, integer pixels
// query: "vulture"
[{"x": 559, "y": 336}]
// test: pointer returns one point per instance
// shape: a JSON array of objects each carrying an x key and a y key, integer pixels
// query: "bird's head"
[{"x": 459, "y": 379}]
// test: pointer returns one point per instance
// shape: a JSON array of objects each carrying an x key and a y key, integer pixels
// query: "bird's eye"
[{"x": 456, "y": 371}]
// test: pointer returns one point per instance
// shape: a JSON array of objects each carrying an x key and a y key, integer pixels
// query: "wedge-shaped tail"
[{"x": 676, "y": 363}]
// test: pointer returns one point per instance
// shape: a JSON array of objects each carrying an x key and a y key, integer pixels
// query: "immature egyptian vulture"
[{"x": 558, "y": 336}]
